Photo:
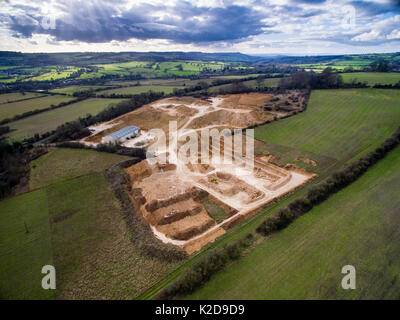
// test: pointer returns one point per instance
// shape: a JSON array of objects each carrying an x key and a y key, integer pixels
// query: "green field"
[
  {"x": 338, "y": 125},
  {"x": 16, "y": 96},
  {"x": 269, "y": 82},
  {"x": 214, "y": 210},
  {"x": 358, "y": 226},
  {"x": 75, "y": 223},
  {"x": 372, "y": 78},
  {"x": 355, "y": 62},
  {"x": 62, "y": 164},
  {"x": 72, "y": 89},
  {"x": 9, "y": 110},
  {"x": 50, "y": 120},
  {"x": 54, "y": 74},
  {"x": 156, "y": 69},
  {"x": 23, "y": 254},
  {"x": 140, "y": 89},
  {"x": 93, "y": 255}
]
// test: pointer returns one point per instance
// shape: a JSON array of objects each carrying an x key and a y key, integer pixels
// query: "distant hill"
[{"x": 8, "y": 58}]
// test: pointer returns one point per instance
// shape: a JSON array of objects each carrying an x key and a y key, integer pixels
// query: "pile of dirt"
[
  {"x": 201, "y": 168},
  {"x": 139, "y": 171},
  {"x": 229, "y": 185},
  {"x": 244, "y": 101},
  {"x": 174, "y": 212},
  {"x": 187, "y": 227},
  {"x": 259, "y": 173},
  {"x": 308, "y": 161},
  {"x": 196, "y": 244},
  {"x": 194, "y": 192},
  {"x": 165, "y": 167},
  {"x": 230, "y": 119}
]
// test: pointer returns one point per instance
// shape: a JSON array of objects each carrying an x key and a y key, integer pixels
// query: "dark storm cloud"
[
  {"x": 102, "y": 22},
  {"x": 185, "y": 22},
  {"x": 373, "y": 8}
]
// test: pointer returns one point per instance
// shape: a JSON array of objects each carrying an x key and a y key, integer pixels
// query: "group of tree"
[
  {"x": 327, "y": 79},
  {"x": 205, "y": 268},
  {"x": 12, "y": 165},
  {"x": 379, "y": 66}
]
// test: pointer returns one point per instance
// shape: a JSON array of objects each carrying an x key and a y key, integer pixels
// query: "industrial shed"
[{"x": 122, "y": 135}]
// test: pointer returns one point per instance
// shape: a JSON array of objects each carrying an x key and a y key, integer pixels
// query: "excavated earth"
[{"x": 171, "y": 196}]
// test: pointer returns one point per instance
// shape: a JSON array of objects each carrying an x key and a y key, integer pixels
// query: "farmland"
[
  {"x": 63, "y": 164},
  {"x": 17, "y": 96},
  {"x": 140, "y": 89},
  {"x": 24, "y": 250},
  {"x": 54, "y": 74},
  {"x": 155, "y": 69},
  {"x": 9, "y": 110},
  {"x": 72, "y": 89},
  {"x": 357, "y": 226},
  {"x": 269, "y": 82},
  {"x": 340, "y": 63},
  {"x": 92, "y": 251},
  {"x": 338, "y": 125},
  {"x": 48, "y": 121},
  {"x": 87, "y": 241},
  {"x": 372, "y": 78}
]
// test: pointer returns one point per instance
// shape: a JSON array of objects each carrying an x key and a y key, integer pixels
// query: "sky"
[{"x": 258, "y": 27}]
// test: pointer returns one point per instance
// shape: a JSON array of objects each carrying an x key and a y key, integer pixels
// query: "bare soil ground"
[{"x": 169, "y": 196}]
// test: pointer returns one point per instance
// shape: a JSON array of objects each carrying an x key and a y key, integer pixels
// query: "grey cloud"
[{"x": 102, "y": 22}]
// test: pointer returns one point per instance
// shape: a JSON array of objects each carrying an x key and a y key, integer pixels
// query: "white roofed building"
[{"x": 122, "y": 135}]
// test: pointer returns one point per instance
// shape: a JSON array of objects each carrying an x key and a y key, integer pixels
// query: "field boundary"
[{"x": 19, "y": 100}]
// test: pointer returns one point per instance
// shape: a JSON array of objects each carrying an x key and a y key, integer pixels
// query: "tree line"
[{"x": 327, "y": 79}]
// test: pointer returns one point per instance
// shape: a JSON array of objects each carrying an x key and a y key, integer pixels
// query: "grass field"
[
  {"x": 338, "y": 125},
  {"x": 372, "y": 78},
  {"x": 50, "y": 120},
  {"x": 72, "y": 89},
  {"x": 269, "y": 82},
  {"x": 16, "y": 96},
  {"x": 93, "y": 255},
  {"x": 63, "y": 163},
  {"x": 75, "y": 223},
  {"x": 359, "y": 226},
  {"x": 156, "y": 69},
  {"x": 140, "y": 89},
  {"x": 22, "y": 254},
  {"x": 355, "y": 62},
  {"x": 9, "y": 110},
  {"x": 214, "y": 210},
  {"x": 54, "y": 74}
]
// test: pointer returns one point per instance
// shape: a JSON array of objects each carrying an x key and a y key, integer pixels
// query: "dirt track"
[{"x": 170, "y": 195}]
